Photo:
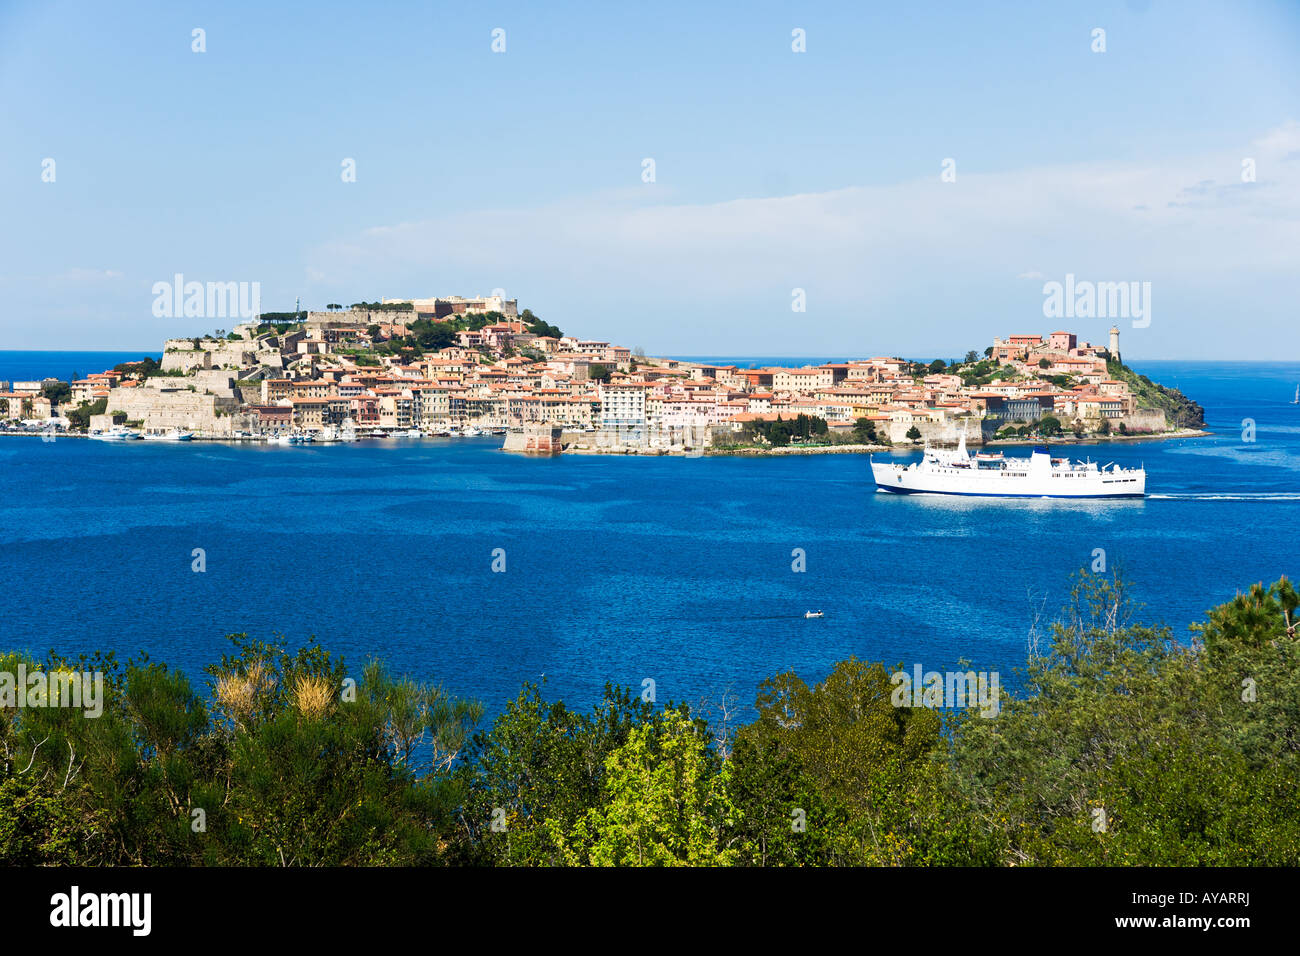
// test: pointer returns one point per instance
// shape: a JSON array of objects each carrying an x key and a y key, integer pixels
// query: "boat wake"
[{"x": 1231, "y": 496}]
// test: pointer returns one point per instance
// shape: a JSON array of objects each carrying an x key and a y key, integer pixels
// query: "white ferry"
[{"x": 949, "y": 472}]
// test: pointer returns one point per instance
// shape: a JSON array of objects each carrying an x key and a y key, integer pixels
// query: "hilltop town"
[{"x": 470, "y": 366}]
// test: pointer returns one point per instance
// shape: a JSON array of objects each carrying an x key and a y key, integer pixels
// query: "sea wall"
[{"x": 1145, "y": 420}]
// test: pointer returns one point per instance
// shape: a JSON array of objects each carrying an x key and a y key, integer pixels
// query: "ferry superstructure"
[{"x": 956, "y": 472}]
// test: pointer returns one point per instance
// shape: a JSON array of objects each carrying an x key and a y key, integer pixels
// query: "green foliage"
[
  {"x": 537, "y": 773},
  {"x": 383, "y": 306},
  {"x": 665, "y": 801},
  {"x": 985, "y": 372},
  {"x": 1049, "y": 425},
  {"x": 783, "y": 431},
  {"x": 537, "y": 327},
  {"x": 880, "y": 798},
  {"x": 38, "y": 825},
  {"x": 914, "y": 434},
  {"x": 57, "y": 392},
  {"x": 79, "y": 417},
  {"x": 1120, "y": 720},
  {"x": 1180, "y": 410},
  {"x": 864, "y": 431},
  {"x": 285, "y": 769},
  {"x": 142, "y": 368}
]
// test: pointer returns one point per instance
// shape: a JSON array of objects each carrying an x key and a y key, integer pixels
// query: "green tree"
[
  {"x": 881, "y": 795},
  {"x": 778, "y": 817},
  {"x": 536, "y": 773},
  {"x": 39, "y": 825},
  {"x": 57, "y": 392},
  {"x": 1128, "y": 748},
  {"x": 864, "y": 431},
  {"x": 914, "y": 434},
  {"x": 79, "y": 417},
  {"x": 665, "y": 802},
  {"x": 537, "y": 327}
]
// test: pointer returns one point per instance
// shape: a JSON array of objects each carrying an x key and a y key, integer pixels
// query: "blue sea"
[{"x": 616, "y": 568}]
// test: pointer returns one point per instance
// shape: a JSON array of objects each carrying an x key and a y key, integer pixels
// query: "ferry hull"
[{"x": 990, "y": 494}]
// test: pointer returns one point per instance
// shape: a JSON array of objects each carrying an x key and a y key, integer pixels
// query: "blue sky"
[{"x": 774, "y": 170}]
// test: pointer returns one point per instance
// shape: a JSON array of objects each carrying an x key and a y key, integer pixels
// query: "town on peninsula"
[{"x": 457, "y": 366}]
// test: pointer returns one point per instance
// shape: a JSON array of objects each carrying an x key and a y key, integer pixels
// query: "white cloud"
[{"x": 860, "y": 252}]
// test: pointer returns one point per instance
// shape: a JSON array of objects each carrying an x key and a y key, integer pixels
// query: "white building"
[{"x": 622, "y": 406}]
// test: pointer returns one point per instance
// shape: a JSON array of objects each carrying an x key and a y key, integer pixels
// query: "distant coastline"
[{"x": 466, "y": 367}]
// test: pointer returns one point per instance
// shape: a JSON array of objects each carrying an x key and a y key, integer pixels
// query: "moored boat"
[
  {"x": 172, "y": 434},
  {"x": 116, "y": 433}
]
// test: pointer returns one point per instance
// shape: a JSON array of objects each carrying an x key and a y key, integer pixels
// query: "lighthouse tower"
[{"x": 1114, "y": 343}]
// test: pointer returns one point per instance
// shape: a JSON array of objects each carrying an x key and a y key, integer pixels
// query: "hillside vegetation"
[{"x": 1180, "y": 410}]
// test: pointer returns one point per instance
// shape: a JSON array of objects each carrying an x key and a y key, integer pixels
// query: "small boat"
[
  {"x": 1296, "y": 400},
  {"x": 811, "y": 614},
  {"x": 378, "y": 433},
  {"x": 172, "y": 434},
  {"x": 413, "y": 433},
  {"x": 116, "y": 433}
]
